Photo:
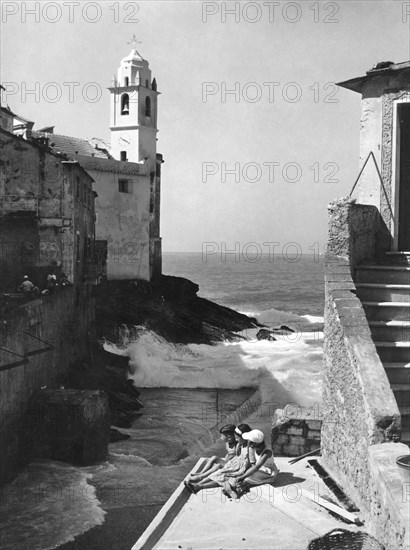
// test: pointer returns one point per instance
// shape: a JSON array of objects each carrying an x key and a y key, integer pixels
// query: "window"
[
  {"x": 147, "y": 106},
  {"x": 77, "y": 187},
  {"x": 146, "y": 84},
  {"x": 125, "y": 104},
  {"x": 123, "y": 155},
  {"x": 77, "y": 246},
  {"x": 126, "y": 81},
  {"x": 124, "y": 186}
]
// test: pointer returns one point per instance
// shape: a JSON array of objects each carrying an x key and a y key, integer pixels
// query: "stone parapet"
[
  {"x": 389, "y": 493},
  {"x": 359, "y": 408},
  {"x": 295, "y": 430},
  {"x": 357, "y": 232}
]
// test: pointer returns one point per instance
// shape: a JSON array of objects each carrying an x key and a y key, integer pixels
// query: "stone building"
[
  {"x": 385, "y": 132},
  {"x": 47, "y": 225},
  {"x": 47, "y": 215},
  {"x": 126, "y": 173},
  {"x": 365, "y": 432}
]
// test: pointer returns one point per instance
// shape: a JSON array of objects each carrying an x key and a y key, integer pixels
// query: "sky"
[{"x": 257, "y": 138}]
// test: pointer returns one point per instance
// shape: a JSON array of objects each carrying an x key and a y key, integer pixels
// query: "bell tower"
[{"x": 133, "y": 111}]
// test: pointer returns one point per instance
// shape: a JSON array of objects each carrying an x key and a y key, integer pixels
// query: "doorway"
[{"x": 404, "y": 177}]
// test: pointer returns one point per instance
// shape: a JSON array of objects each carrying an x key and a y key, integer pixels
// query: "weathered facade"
[
  {"x": 385, "y": 133},
  {"x": 47, "y": 225},
  {"x": 367, "y": 325},
  {"x": 47, "y": 215}
]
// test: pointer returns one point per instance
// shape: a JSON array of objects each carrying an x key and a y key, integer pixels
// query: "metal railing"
[{"x": 371, "y": 154}]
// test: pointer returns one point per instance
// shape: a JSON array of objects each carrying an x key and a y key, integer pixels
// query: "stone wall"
[
  {"x": 359, "y": 408},
  {"x": 295, "y": 430},
  {"x": 48, "y": 334},
  {"x": 123, "y": 218},
  {"x": 360, "y": 413},
  {"x": 357, "y": 232},
  {"x": 389, "y": 495}
]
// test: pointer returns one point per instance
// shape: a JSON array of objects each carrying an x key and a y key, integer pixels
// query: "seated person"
[
  {"x": 51, "y": 283},
  {"x": 263, "y": 470},
  {"x": 214, "y": 463},
  {"x": 232, "y": 468},
  {"x": 64, "y": 280},
  {"x": 27, "y": 287}
]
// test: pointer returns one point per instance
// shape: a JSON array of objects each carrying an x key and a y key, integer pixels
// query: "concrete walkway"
[{"x": 267, "y": 518}]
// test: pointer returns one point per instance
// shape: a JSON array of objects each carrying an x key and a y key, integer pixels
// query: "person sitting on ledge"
[
  {"x": 214, "y": 463},
  {"x": 227, "y": 476},
  {"x": 263, "y": 470},
  {"x": 27, "y": 287},
  {"x": 64, "y": 280},
  {"x": 51, "y": 283}
]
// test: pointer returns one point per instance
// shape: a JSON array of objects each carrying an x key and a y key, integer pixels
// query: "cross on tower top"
[{"x": 134, "y": 41}]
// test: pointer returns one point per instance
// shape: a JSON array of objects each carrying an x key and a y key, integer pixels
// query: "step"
[
  {"x": 405, "y": 413},
  {"x": 398, "y": 373},
  {"x": 383, "y": 292},
  {"x": 386, "y": 311},
  {"x": 392, "y": 274},
  {"x": 398, "y": 258},
  {"x": 405, "y": 436},
  {"x": 390, "y": 331},
  {"x": 392, "y": 352},
  {"x": 402, "y": 394}
]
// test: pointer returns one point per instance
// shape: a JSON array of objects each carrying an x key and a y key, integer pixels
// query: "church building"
[{"x": 126, "y": 174}]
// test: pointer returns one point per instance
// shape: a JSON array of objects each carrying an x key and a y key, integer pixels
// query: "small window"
[
  {"x": 125, "y": 104},
  {"x": 147, "y": 84},
  {"x": 77, "y": 246},
  {"x": 77, "y": 187},
  {"x": 123, "y": 155},
  {"x": 147, "y": 106},
  {"x": 126, "y": 81},
  {"x": 124, "y": 186}
]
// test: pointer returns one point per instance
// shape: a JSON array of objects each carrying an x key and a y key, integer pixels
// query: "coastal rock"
[
  {"x": 265, "y": 334},
  {"x": 108, "y": 372},
  {"x": 116, "y": 435},
  {"x": 68, "y": 425},
  {"x": 169, "y": 307}
]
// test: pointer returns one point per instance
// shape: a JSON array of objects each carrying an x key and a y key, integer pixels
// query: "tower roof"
[
  {"x": 134, "y": 55},
  {"x": 380, "y": 70}
]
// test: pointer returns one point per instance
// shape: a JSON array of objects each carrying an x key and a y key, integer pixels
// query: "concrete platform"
[{"x": 275, "y": 517}]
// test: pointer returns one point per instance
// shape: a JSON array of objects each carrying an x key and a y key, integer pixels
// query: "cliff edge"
[{"x": 169, "y": 307}]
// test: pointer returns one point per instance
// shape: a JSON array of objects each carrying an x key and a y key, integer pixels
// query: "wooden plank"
[
  {"x": 297, "y": 458},
  {"x": 332, "y": 507}
]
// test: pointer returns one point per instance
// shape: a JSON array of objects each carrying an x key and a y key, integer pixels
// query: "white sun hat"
[{"x": 256, "y": 436}]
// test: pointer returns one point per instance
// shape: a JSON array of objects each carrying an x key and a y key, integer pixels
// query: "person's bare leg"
[
  {"x": 210, "y": 467},
  {"x": 206, "y": 484}
]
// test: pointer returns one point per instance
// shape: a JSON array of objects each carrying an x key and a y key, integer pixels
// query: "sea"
[{"x": 188, "y": 391}]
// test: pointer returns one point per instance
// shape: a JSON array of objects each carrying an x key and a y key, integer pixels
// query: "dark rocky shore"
[{"x": 170, "y": 308}]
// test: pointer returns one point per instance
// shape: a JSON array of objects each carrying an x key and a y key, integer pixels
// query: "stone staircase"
[{"x": 384, "y": 291}]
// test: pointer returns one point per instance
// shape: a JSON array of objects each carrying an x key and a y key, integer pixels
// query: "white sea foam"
[
  {"x": 274, "y": 318},
  {"x": 287, "y": 369},
  {"x": 314, "y": 318}
]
